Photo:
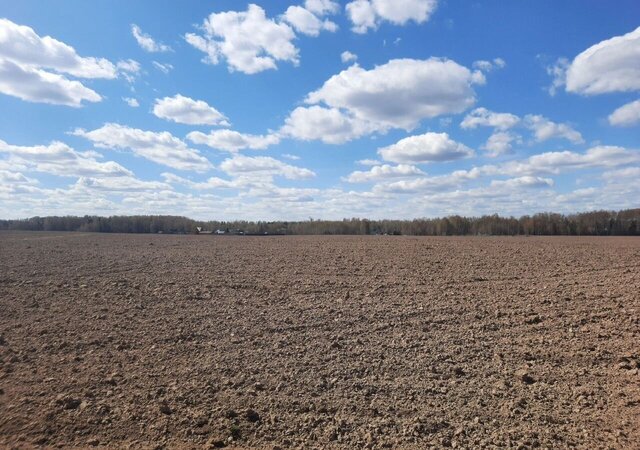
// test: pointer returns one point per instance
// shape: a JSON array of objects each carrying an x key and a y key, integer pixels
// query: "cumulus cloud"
[
  {"x": 488, "y": 66},
  {"x": 384, "y": 172},
  {"x": 263, "y": 166},
  {"x": 484, "y": 117},
  {"x": 146, "y": 42},
  {"x": 544, "y": 129},
  {"x": 58, "y": 158},
  {"x": 232, "y": 141},
  {"x": 400, "y": 93},
  {"x": 248, "y": 40},
  {"x": 608, "y": 66},
  {"x": 181, "y": 109},
  {"x": 131, "y": 102},
  {"x": 627, "y": 115},
  {"x": 32, "y": 68},
  {"x": 500, "y": 143},
  {"x": 119, "y": 184},
  {"x": 329, "y": 125},
  {"x": 424, "y": 148},
  {"x": 523, "y": 182},
  {"x": 322, "y": 7},
  {"x": 368, "y": 14},
  {"x": 159, "y": 147},
  {"x": 369, "y": 162},
  {"x": 306, "y": 22},
  {"x": 347, "y": 57}
]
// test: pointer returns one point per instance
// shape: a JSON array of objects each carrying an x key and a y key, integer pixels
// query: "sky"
[{"x": 289, "y": 110}]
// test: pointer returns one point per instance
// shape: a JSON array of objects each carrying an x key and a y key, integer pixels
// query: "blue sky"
[{"x": 318, "y": 108}]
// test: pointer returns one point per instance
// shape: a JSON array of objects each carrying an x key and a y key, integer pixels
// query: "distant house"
[{"x": 199, "y": 230}]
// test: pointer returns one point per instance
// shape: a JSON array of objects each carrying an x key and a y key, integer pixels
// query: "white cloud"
[
  {"x": 347, "y": 56},
  {"x": 400, "y": 93},
  {"x": 622, "y": 175},
  {"x": 39, "y": 86},
  {"x": 366, "y": 14},
  {"x": 488, "y": 66},
  {"x": 305, "y": 22},
  {"x": 232, "y": 141},
  {"x": 627, "y": 115},
  {"x": 384, "y": 172},
  {"x": 164, "y": 68},
  {"x": 558, "y": 72},
  {"x": 181, "y": 109},
  {"x": 544, "y": 129},
  {"x": 428, "y": 147},
  {"x": 21, "y": 45},
  {"x": 25, "y": 61},
  {"x": 499, "y": 143},
  {"x": 329, "y": 125},
  {"x": 609, "y": 66},
  {"x": 290, "y": 156},
  {"x": 263, "y": 166},
  {"x": 248, "y": 40},
  {"x": 369, "y": 162},
  {"x": 59, "y": 159},
  {"x": 486, "y": 118},
  {"x": 131, "y": 102},
  {"x": 524, "y": 182},
  {"x": 322, "y": 7},
  {"x": 119, "y": 184},
  {"x": 146, "y": 42},
  {"x": 159, "y": 147}
]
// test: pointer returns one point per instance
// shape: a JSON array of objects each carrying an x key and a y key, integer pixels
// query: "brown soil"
[{"x": 318, "y": 342}]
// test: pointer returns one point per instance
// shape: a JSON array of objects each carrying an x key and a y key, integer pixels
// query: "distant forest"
[{"x": 595, "y": 223}]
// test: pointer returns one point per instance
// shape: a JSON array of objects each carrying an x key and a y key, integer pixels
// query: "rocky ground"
[{"x": 156, "y": 341}]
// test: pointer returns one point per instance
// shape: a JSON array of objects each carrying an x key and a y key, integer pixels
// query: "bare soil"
[{"x": 156, "y": 341}]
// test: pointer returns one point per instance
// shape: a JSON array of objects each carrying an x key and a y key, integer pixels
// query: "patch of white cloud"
[
  {"x": 263, "y": 166},
  {"x": 131, "y": 101},
  {"x": 233, "y": 141},
  {"x": 185, "y": 110},
  {"x": 159, "y": 147},
  {"x": 146, "y": 42},
  {"x": 626, "y": 116},
  {"x": 369, "y": 14},
  {"x": 383, "y": 172},
  {"x": 484, "y": 117},
  {"x": 545, "y": 129},
  {"x": 488, "y": 66},
  {"x": 306, "y": 22},
  {"x": 162, "y": 67},
  {"x": 425, "y": 148},
  {"x": 347, "y": 57},
  {"x": 33, "y": 68}
]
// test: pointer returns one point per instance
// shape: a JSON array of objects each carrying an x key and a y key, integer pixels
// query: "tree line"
[{"x": 593, "y": 223}]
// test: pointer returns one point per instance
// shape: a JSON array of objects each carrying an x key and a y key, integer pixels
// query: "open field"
[{"x": 318, "y": 342}]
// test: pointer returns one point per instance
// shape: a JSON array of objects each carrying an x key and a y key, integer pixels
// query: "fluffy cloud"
[
  {"x": 232, "y": 141},
  {"x": 369, "y": 162},
  {"x": 488, "y": 66},
  {"x": 185, "y": 110},
  {"x": 39, "y": 86},
  {"x": 383, "y": 172},
  {"x": 428, "y": 147},
  {"x": 59, "y": 159},
  {"x": 329, "y": 125},
  {"x": 499, "y": 143},
  {"x": 608, "y": 66},
  {"x": 400, "y": 93},
  {"x": 486, "y": 118},
  {"x": 119, "y": 184},
  {"x": 161, "y": 148},
  {"x": 263, "y": 166},
  {"x": 322, "y": 7},
  {"x": 131, "y": 102},
  {"x": 26, "y": 60},
  {"x": 627, "y": 115},
  {"x": 523, "y": 182},
  {"x": 248, "y": 40},
  {"x": 306, "y": 22},
  {"x": 146, "y": 42},
  {"x": 347, "y": 57},
  {"x": 366, "y": 14},
  {"x": 22, "y": 45},
  {"x": 544, "y": 129}
]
